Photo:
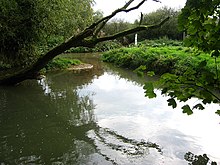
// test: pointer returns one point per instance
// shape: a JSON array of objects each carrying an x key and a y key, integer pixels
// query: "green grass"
[
  {"x": 61, "y": 63},
  {"x": 162, "y": 59}
]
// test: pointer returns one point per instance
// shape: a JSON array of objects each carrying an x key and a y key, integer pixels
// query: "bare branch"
[
  {"x": 128, "y": 4},
  {"x": 131, "y": 31},
  {"x": 122, "y": 9},
  {"x": 141, "y": 19},
  {"x": 133, "y": 8},
  {"x": 97, "y": 26}
]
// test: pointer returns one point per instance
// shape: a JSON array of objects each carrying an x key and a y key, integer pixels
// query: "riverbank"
[
  {"x": 162, "y": 59},
  {"x": 185, "y": 73},
  {"x": 66, "y": 64},
  {"x": 66, "y": 114}
]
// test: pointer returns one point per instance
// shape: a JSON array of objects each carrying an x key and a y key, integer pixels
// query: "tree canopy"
[
  {"x": 25, "y": 25},
  {"x": 169, "y": 29},
  {"x": 201, "y": 21}
]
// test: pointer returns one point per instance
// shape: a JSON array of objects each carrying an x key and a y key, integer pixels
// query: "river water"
[{"x": 99, "y": 117}]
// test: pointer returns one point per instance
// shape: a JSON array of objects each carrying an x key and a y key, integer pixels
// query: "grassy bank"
[
  {"x": 160, "y": 59},
  {"x": 185, "y": 72},
  {"x": 60, "y": 64}
]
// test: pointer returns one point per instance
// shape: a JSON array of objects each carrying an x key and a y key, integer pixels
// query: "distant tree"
[
  {"x": 97, "y": 15},
  {"x": 116, "y": 26},
  {"x": 169, "y": 29}
]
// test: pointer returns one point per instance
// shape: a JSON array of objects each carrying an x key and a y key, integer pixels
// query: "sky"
[{"x": 107, "y": 6}]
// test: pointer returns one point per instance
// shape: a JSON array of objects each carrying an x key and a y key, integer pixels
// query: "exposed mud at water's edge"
[{"x": 80, "y": 67}]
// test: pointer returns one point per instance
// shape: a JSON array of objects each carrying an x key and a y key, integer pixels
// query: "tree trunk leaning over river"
[{"x": 86, "y": 38}]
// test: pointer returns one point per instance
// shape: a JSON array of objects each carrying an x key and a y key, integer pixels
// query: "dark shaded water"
[{"x": 99, "y": 117}]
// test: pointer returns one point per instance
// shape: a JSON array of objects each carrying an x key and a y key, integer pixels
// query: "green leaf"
[
  {"x": 139, "y": 73},
  {"x": 187, "y": 110},
  {"x": 164, "y": 91},
  {"x": 140, "y": 70},
  {"x": 151, "y": 73},
  {"x": 207, "y": 101},
  {"x": 199, "y": 106},
  {"x": 207, "y": 97},
  {"x": 202, "y": 64},
  {"x": 215, "y": 53},
  {"x": 218, "y": 112},
  {"x": 172, "y": 102},
  {"x": 149, "y": 90}
]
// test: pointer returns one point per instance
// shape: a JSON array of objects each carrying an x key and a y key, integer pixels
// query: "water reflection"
[{"x": 97, "y": 117}]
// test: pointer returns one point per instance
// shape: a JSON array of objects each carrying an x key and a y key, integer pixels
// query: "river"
[{"x": 100, "y": 117}]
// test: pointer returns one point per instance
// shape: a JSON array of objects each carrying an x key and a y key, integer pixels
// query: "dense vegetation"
[
  {"x": 160, "y": 57},
  {"x": 178, "y": 66},
  {"x": 169, "y": 29},
  {"x": 60, "y": 63},
  {"x": 29, "y": 28},
  {"x": 200, "y": 20}
]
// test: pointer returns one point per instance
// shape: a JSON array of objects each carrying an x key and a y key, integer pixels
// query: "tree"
[
  {"x": 97, "y": 15},
  {"x": 116, "y": 26},
  {"x": 200, "y": 20},
  {"x": 86, "y": 38},
  {"x": 26, "y": 26},
  {"x": 169, "y": 29}
]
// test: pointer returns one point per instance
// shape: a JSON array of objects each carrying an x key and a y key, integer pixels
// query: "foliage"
[
  {"x": 186, "y": 72},
  {"x": 198, "y": 159},
  {"x": 190, "y": 84},
  {"x": 97, "y": 15},
  {"x": 88, "y": 37},
  {"x": 100, "y": 47},
  {"x": 4, "y": 66},
  {"x": 200, "y": 20},
  {"x": 161, "y": 42},
  {"x": 169, "y": 29},
  {"x": 117, "y": 25},
  {"x": 160, "y": 59},
  {"x": 195, "y": 77},
  {"x": 61, "y": 63},
  {"x": 18, "y": 32},
  {"x": 25, "y": 25}
]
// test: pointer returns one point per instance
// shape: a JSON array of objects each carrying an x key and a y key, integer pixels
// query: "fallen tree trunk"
[{"x": 87, "y": 38}]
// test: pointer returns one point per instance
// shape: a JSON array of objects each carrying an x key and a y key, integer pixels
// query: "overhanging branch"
[
  {"x": 131, "y": 31},
  {"x": 98, "y": 26},
  {"x": 125, "y": 8}
]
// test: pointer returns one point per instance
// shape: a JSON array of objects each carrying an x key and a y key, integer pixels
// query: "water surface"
[{"x": 99, "y": 117}]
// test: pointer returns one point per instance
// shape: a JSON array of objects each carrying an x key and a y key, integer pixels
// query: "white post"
[{"x": 135, "y": 40}]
